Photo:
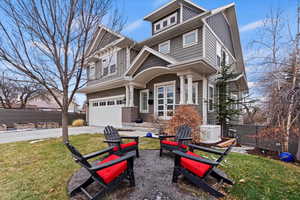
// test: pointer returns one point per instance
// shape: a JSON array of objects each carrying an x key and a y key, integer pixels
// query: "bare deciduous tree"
[
  {"x": 280, "y": 78},
  {"x": 15, "y": 92},
  {"x": 47, "y": 41}
]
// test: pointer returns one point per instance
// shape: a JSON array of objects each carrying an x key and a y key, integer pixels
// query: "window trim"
[
  {"x": 168, "y": 19},
  {"x": 115, "y": 53},
  {"x": 209, "y": 97},
  {"x": 234, "y": 97},
  {"x": 184, "y": 45},
  {"x": 147, "y": 92},
  {"x": 218, "y": 53},
  {"x": 163, "y": 43},
  {"x": 92, "y": 76}
]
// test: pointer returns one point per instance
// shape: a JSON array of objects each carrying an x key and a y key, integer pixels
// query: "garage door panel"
[{"x": 105, "y": 115}]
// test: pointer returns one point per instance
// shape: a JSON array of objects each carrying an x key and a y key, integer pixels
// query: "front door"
[{"x": 165, "y": 100}]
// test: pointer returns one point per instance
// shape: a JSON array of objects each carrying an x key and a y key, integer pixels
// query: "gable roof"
[
  {"x": 230, "y": 13},
  {"x": 99, "y": 33},
  {"x": 170, "y": 7},
  {"x": 142, "y": 56}
]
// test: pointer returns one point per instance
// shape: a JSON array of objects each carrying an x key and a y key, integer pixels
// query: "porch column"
[
  {"x": 205, "y": 100},
  {"x": 190, "y": 88},
  {"x": 127, "y": 95},
  {"x": 182, "y": 91},
  {"x": 131, "y": 94}
]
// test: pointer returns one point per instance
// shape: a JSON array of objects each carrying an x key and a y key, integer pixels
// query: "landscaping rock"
[
  {"x": 24, "y": 126},
  {"x": 3, "y": 127},
  {"x": 52, "y": 125},
  {"x": 153, "y": 177}
]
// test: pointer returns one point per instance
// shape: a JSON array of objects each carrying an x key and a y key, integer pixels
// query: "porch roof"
[{"x": 142, "y": 56}]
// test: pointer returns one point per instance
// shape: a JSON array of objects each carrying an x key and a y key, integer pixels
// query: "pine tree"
[{"x": 227, "y": 106}]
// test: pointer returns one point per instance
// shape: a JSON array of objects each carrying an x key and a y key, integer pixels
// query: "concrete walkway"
[{"x": 38, "y": 134}]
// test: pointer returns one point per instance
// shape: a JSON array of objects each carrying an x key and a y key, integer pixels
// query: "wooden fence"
[
  {"x": 11, "y": 116},
  {"x": 247, "y": 135}
]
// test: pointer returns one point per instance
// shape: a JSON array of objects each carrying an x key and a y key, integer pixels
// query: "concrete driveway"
[{"x": 25, "y": 135}]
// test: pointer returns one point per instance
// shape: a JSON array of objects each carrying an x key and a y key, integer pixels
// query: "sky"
[{"x": 250, "y": 16}]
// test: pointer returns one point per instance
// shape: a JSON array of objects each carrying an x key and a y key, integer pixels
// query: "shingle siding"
[
  {"x": 220, "y": 26},
  {"x": 151, "y": 61},
  {"x": 105, "y": 39},
  {"x": 181, "y": 54},
  {"x": 188, "y": 13}
]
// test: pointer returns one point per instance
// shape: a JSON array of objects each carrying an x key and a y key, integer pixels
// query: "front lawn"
[{"x": 41, "y": 170}]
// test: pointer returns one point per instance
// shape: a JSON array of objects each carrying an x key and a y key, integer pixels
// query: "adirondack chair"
[
  {"x": 114, "y": 139},
  {"x": 197, "y": 169},
  {"x": 109, "y": 172},
  {"x": 183, "y": 135}
]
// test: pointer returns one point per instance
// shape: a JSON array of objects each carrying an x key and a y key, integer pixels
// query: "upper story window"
[
  {"x": 164, "y": 47},
  {"x": 225, "y": 58},
  {"x": 222, "y": 55},
  {"x": 92, "y": 71},
  {"x": 109, "y": 64},
  {"x": 210, "y": 98},
  {"x": 165, "y": 23},
  {"x": 190, "y": 38},
  {"x": 218, "y": 53}
]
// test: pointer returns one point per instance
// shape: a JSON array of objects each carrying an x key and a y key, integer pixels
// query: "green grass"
[{"x": 41, "y": 170}]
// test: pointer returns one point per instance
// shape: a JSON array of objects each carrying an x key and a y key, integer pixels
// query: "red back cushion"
[{"x": 173, "y": 143}]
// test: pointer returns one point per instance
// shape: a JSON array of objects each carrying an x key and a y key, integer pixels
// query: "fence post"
[{"x": 256, "y": 135}]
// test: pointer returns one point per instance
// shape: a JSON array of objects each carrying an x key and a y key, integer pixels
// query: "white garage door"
[{"x": 106, "y": 111}]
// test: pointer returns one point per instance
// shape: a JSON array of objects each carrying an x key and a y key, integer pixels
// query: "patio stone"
[{"x": 153, "y": 175}]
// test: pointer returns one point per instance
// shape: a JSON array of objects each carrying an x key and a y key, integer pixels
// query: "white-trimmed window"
[
  {"x": 165, "y": 23},
  {"x": 225, "y": 57},
  {"x": 210, "y": 98},
  {"x": 194, "y": 93},
  {"x": 109, "y": 64},
  {"x": 219, "y": 53},
  {"x": 190, "y": 38},
  {"x": 164, "y": 47},
  {"x": 92, "y": 71},
  {"x": 144, "y": 97},
  {"x": 234, "y": 105}
]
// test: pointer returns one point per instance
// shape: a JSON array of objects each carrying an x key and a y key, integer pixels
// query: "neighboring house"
[
  {"x": 48, "y": 103},
  {"x": 175, "y": 66}
]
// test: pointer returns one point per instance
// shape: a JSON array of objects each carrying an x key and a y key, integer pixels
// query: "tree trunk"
[
  {"x": 65, "y": 131},
  {"x": 298, "y": 152}
]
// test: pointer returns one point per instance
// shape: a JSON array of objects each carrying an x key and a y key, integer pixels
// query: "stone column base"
[{"x": 129, "y": 114}]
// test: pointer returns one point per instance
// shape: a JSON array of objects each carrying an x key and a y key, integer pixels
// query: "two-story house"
[{"x": 175, "y": 66}]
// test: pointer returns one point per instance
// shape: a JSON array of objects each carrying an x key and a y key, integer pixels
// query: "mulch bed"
[
  {"x": 153, "y": 177},
  {"x": 265, "y": 153}
]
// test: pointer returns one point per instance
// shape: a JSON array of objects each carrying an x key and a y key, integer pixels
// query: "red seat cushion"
[
  {"x": 123, "y": 146},
  {"x": 193, "y": 166},
  {"x": 172, "y": 143},
  {"x": 110, "y": 173}
]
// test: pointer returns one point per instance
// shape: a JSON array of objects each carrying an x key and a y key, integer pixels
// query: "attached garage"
[{"x": 106, "y": 111}]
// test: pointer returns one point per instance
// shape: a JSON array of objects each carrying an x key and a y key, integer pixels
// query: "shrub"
[
  {"x": 185, "y": 115},
  {"x": 78, "y": 122}
]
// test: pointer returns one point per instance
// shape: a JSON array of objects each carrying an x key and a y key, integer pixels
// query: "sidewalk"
[{"x": 38, "y": 134}]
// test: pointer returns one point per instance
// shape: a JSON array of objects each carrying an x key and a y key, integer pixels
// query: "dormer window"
[{"x": 165, "y": 23}]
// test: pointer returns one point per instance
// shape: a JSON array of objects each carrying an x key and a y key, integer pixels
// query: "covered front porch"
[{"x": 154, "y": 93}]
